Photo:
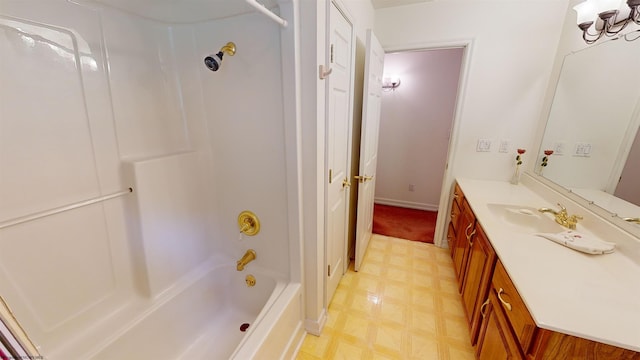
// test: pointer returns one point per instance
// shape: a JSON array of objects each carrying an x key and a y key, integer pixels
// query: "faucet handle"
[{"x": 573, "y": 220}]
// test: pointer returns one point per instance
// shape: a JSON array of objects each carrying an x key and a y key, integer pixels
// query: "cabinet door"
[
  {"x": 464, "y": 236},
  {"x": 496, "y": 342},
  {"x": 477, "y": 279},
  {"x": 513, "y": 306},
  {"x": 455, "y": 218},
  {"x": 451, "y": 238}
]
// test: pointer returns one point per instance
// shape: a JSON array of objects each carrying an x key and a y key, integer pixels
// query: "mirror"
[{"x": 593, "y": 127}]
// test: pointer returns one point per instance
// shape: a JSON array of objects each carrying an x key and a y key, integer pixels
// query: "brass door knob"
[{"x": 346, "y": 183}]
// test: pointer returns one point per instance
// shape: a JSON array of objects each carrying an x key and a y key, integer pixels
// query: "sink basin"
[{"x": 525, "y": 218}]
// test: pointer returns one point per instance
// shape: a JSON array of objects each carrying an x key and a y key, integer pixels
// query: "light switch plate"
[
  {"x": 583, "y": 149},
  {"x": 505, "y": 146},
  {"x": 484, "y": 145}
]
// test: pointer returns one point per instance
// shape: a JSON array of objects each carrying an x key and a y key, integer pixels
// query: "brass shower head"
[{"x": 229, "y": 49}]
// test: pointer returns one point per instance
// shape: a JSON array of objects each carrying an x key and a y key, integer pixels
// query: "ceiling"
[
  {"x": 191, "y": 11},
  {"x": 185, "y": 11}
]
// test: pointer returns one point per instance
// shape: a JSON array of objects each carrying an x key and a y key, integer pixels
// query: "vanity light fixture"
[
  {"x": 390, "y": 83},
  {"x": 605, "y": 17}
]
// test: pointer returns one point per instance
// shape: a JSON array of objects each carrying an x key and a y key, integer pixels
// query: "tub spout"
[{"x": 248, "y": 257}]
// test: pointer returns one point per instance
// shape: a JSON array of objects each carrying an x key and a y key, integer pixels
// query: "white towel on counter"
[{"x": 581, "y": 242}]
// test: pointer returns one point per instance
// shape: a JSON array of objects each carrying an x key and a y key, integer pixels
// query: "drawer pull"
[
  {"x": 469, "y": 236},
  {"x": 506, "y": 304},
  {"x": 482, "y": 308},
  {"x": 467, "y": 229}
]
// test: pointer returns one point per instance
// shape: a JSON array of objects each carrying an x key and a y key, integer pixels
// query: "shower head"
[{"x": 214, "y": 61}]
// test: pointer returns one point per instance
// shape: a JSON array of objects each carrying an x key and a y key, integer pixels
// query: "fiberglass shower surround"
[{"x": 119, "y": 134}]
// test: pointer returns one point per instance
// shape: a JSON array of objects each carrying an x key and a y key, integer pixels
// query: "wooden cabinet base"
[{"x": 556, "y": 346}]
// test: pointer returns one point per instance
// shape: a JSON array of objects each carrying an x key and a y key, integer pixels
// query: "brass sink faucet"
[
  {"x": 562, "y": 217},
  {"x": 248, "y": 257}
]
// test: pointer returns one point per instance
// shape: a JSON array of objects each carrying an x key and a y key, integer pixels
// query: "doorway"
[{"x": 418, "y": 110}]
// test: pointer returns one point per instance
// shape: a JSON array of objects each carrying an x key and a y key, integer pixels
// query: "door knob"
[
  {"x": 346, "y": 183},
  {"x": 364, "y": 178}
]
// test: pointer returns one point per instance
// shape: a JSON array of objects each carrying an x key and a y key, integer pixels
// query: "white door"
[
  {"x": 373, "y": 67},
  {"x": 339, "y": 124}
]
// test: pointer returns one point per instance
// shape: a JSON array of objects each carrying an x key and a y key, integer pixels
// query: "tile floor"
[{"x": 402, "y": 304}]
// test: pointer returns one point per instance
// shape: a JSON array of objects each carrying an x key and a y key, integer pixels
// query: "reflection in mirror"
[{"x": 593, "y": 127}]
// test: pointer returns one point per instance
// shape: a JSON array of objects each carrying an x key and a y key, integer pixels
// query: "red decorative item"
[
  {"x": 521, "y": 151},
  {"x": 548, "y": 152}
]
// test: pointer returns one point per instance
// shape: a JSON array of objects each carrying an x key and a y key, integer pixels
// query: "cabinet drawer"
[{"x": 514, "y": 308}]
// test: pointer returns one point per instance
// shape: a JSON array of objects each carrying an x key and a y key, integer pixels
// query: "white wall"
[
  {"x": 415, "y": 125},
  {"x": 513, "y": 48}
]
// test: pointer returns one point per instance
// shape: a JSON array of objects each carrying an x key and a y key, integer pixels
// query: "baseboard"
[
  {"x": 314, "y": 327},
  {"x": 406, "y": 204}
]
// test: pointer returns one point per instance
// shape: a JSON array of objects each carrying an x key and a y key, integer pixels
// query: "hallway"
[{"x": 403, "y": 304}]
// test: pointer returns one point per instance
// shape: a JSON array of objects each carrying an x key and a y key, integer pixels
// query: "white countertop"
[{"x": 596, "y": 297}]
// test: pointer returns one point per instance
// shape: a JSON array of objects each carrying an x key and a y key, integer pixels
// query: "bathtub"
[{"x": 202, "y": 319}]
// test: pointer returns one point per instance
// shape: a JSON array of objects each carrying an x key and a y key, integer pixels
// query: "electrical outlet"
[
  {"x": 505, "y": 146},
  {"x": 484, "y": 145},
  {"x": 412, "y": 187}
]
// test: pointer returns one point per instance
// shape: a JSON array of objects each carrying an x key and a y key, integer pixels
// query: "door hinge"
[
  {"x": 331, "y": 56},
  {"x": 330, "y": 176},
  {"x": 328, "y": 270}
]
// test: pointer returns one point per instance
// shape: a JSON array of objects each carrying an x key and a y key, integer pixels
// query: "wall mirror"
[{"x": 592, "y": 127}]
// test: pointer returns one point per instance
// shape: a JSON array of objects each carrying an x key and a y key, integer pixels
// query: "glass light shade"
[
  {"x": 607, "y": 5},
  {"x": 585, "y": 12},
  {"x": 391, "y": 80}
]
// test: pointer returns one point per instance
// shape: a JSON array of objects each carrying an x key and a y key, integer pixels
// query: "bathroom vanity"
[{"x": 526, "y": 297}]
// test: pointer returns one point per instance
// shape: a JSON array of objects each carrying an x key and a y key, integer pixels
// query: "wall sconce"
[
  {"x": 392, "y": 82},
  {"x": 605, "y": 17}
]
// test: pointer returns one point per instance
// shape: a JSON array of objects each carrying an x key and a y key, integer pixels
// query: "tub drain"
[{"x": 244, "y": 327}]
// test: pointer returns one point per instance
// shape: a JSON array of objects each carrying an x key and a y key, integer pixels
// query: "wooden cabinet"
[
  {"x": 514, "y": 308},
  {"x": 473, "y": 259},
  {"x": 507, "y": 322},
  {"x": 500, "y": 324},
  {"x": 477, "y": 279},
  {"x": 516, "y": 327},
  {"x": 464, "y": 237},
  {"x": 455, "y": 217},
  {"x": 551, "y": 345},
  {"x": 496, "y": 341}
]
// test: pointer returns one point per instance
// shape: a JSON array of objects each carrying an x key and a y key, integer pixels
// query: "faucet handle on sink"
[{"x": 572, "y": 221}]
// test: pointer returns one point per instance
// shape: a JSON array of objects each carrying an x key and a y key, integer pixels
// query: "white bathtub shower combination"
[{"x": 95, "y": 100}]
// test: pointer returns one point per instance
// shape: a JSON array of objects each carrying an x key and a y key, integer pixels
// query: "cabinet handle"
[
  {"x": 467, "y": 229},
  {"x": 469, "y": 236},
  {"x": 482, "y": 308},
  {"x": 506, "y": 304}
]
